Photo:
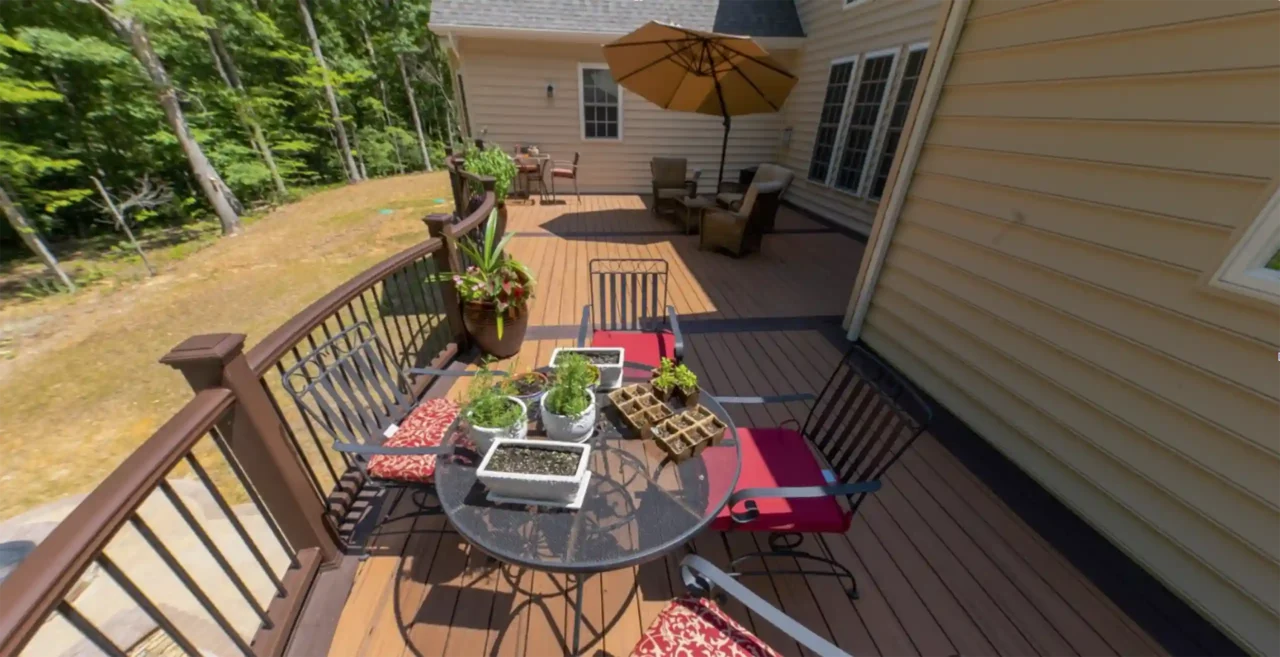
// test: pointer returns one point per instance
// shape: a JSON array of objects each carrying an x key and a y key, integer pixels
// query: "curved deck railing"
[{"x": 249, "y": 477}]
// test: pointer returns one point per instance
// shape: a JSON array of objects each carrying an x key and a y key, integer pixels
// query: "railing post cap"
[{"x": 221, "y": 347}]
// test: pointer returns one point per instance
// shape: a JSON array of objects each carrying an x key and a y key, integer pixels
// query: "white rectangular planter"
[
  {"x": 610, "y": 375},
  {"x": 530, "y": 486}
]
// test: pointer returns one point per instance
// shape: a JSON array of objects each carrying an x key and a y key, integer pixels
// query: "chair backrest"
[
  {"x": 774, "y": 173},
  {"x": 350, "y": 386},
  {"x": 628, "y": 294},
  {"x": 668, "y": 171},
  {"x": 754, "y": 193},
  {"x": 865, "y": 418}
]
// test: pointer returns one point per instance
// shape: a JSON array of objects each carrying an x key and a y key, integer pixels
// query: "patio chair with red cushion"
[
  {"x": 792, "y": 479},
  {"x": 629, "y": 309},
  {"x": 350, "y": 387},
  {"x": 567, "y": 170},
  {"x": 694, "y": 625}
]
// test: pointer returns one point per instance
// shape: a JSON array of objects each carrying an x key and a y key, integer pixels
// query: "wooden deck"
[{"x": 943, "y": 565}]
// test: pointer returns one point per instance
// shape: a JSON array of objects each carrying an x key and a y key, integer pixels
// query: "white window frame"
[
  {"x": 877, "y": 129},
  {"x": 882, "y": 124},
  {"x": 1244, "y": 270},
  {"x": 582, "y": 116},
  {"x": 844, "y": 111}
]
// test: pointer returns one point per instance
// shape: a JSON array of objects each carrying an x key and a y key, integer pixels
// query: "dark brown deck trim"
[
  {"x": 826, "y": 324},
  {"x": 665, "y": 233}
]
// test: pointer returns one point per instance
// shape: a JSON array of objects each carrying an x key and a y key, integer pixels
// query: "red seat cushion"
[
  {"x": 774, "y": 458},
  {"x": 644, "y": 347},
  {"x": 528, "y": 168},
  {"x": 563, "y": 173},
  {"x": 695, "y": 627},
  {"x": 424, "y": 427}
]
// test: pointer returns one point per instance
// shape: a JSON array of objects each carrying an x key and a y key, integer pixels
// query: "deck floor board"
[{"x": 944, "y": 566}]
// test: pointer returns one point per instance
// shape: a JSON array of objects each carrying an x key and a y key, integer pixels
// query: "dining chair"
[
  {"x": 567, "y": 170},
  {"x": 693, "y": 625},
  {"x": 351, "y": 388},
  {"x": 792, "y": 479},
  {"x": 628, "y": 309}
]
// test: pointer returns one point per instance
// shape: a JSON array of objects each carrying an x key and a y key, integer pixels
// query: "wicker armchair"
[
  {"x": 670, "y": 181},
  {"x": 731, "y": 195},
  {"x": 741, "y": 231}
]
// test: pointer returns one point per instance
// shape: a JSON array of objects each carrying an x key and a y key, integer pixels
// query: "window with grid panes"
[
  {"x": 897, "y": 119},
  {"x": 600, "y": 106},
  {"x": 824, "y": 142},
  {"x": 863, "y": 114}
]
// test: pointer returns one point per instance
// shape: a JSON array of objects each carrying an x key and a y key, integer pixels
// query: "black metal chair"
[
  {"x": 629, "y": 309},
  {"x": 861, "y": 423},
  {"x": 695, "y": 625},
  {"x": 350, "y": 387}
]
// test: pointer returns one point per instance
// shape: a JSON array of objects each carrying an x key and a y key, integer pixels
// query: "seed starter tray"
[
  {"x": 687, "y": 433},
  {"x": 639, "y": 408}
]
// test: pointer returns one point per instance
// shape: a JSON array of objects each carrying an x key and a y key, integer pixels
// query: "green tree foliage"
[{"x": 75, "y": 102}]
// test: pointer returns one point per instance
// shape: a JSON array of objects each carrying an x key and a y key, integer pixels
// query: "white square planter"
[
  {"x": 610, "y": 375},
  {"x": 530, "y": 486}
]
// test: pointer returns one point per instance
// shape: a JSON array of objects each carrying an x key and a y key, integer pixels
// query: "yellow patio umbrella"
[{"x": 694, "y": 71}]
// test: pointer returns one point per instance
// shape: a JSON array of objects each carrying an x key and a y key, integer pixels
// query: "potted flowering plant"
[{"x": 495, "y": 292}]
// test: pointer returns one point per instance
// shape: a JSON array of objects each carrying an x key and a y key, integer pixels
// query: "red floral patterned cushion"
[
  {"x": 696, "y": 627},
  {"x": 424, "y": 427}
]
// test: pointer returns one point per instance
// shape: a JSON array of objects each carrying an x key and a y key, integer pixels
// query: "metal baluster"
[
  {"x": 147, "y": 605},
  {"x": 306, "y": 420},
  {"x": 217, "y": 555},
  {"x": 89, "y": 630},
  {"x": 203, "y": 598},
  {"x": 220, "y": 441},
  {"x": 293, "y": 435},
  {"x": 235, "y": 522}
]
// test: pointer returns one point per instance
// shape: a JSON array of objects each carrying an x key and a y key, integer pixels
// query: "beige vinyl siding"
[
  {"x": 506, "y": 83},
  {"x": 1087, "y": 164},
  {"x": 833, "y": 32}
]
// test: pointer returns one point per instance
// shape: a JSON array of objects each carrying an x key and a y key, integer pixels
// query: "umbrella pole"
[{"x": 724, "y": 144}]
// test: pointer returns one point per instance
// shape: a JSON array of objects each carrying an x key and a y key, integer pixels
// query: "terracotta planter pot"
[{"x": 482, "y": 323}]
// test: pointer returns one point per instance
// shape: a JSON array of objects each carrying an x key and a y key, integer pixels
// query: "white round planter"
[
  {"x": 569, "y": 429},
  {"x": 483, "y": 436}
]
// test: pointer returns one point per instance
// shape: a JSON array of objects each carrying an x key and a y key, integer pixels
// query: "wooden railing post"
[
  {"x": 447, "y": 260},
  {"x": 256, "y": 435}
]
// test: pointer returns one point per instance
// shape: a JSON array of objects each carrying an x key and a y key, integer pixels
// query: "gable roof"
[{"x": 757, "y": 18}]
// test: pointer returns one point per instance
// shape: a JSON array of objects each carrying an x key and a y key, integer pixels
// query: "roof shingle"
[{"x": 761, "y": 18}]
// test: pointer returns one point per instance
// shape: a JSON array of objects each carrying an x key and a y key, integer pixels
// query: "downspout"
[{"x": 946, "y": 36}]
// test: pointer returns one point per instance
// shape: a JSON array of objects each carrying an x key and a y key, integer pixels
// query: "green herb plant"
[
  {"x": 568, "y": 394},
  {"x": 492, "y": 162},
  {"x": 486, "y": 402},
  {"x": 664, "y": 377},
  {"x": 685, "y": 378}
]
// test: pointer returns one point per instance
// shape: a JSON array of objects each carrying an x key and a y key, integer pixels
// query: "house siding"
[
  {"x": 506, "y": 84},
  {"x": 1086, "y": 165},
  {"x": 835, "y": 32}
]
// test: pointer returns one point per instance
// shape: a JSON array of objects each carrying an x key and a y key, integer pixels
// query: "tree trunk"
[
  {"x": 382, "y": 88},
  {"x": 231, "y": 76},
  {"x": 413, "y": 110},
  {"x": 32, "y": 239},
  {"x": 122, "y": 224},
  {"x": 207, "y": 177},
  {"x": 353, "y": 173}
]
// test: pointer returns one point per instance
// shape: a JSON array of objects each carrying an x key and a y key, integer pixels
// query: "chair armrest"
[
  {"x": 701, "y": 577},
  {"x": 674, "y": 319},
  {"x": 373, "y": 450},
  {"x": 584, "y": 326},
  {"x": 431, "y": 371},
  {"x": 751, "y": 511},
  {"x": 767, "y": 399},
  {"x": 697, "y": 173}
]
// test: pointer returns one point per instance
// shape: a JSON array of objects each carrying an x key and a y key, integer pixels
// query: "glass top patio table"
[{"x": 639, "y": 504}]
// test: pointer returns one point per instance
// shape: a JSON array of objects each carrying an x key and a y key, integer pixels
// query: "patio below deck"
[{"x": 944, "y": 565}]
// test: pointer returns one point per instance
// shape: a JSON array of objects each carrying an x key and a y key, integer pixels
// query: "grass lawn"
[{"x": 80, "y": 387}]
